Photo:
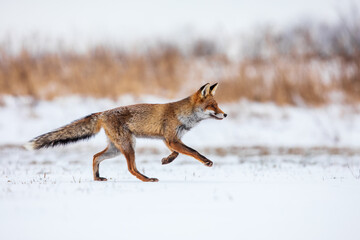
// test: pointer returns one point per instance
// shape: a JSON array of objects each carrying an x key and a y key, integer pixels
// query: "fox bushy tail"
[{"x": 80, "y": 129}]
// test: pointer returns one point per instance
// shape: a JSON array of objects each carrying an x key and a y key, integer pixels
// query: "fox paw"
[
  {"x": 166, "y": 161},
  {"x": 208, "y": 163},
  {"x": 151, "y": 180},
  {"x": 100, "y": 179}
]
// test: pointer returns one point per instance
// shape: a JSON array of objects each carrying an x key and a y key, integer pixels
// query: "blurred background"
[{"x": 286, "y": 52}]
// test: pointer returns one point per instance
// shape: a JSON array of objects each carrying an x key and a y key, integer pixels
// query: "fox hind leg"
[
  {"x": 126, "y": 147},
  {"x": 109, "y": 152}
]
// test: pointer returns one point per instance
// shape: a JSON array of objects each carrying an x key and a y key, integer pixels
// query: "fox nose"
[{"x": 225, "y": 114}]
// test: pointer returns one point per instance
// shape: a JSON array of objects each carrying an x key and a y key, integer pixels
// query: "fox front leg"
[
  {"x": 169, "y": 158},
  {"x": 179, "y": 147}
]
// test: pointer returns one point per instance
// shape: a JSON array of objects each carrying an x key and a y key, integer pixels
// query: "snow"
[
  {"x": 260, "y": 187},
  {"x": 51, "y": 194}
]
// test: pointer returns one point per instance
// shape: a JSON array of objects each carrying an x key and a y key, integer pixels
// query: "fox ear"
[
  {"x": 204, "y": 90},
  {"x": 213, "y": 89}
]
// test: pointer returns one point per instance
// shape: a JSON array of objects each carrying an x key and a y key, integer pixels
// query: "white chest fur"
[{"x": 190, "y": 121}]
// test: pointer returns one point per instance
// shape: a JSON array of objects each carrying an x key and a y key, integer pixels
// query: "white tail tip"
[{"x": 29, "y": 146}]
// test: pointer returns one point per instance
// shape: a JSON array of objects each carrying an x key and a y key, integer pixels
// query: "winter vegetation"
[{"x": 310, "y": 63}]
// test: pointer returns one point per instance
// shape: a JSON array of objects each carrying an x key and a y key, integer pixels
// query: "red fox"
[{"x": 167, "y": 121}]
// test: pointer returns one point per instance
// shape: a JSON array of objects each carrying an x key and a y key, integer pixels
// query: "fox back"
[{"x": 170, "y": 120}]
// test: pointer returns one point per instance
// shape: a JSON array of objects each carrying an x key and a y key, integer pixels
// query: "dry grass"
[
  {"x": 100, "y": 73},
  {"x": 279, "y": 81},
  {"x": 167, "y": 71}
]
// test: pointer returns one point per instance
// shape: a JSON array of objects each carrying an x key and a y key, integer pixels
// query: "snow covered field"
[{"x": 279, "y": 173}]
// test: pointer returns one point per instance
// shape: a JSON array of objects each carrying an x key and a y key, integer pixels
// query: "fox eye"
[{"x": 210, "y": 107}]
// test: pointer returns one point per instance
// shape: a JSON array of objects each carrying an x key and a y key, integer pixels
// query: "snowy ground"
[{"x": 279, "y": 173}]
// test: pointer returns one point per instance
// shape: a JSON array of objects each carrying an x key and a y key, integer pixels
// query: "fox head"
[{"x": 206, "y": 104}]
